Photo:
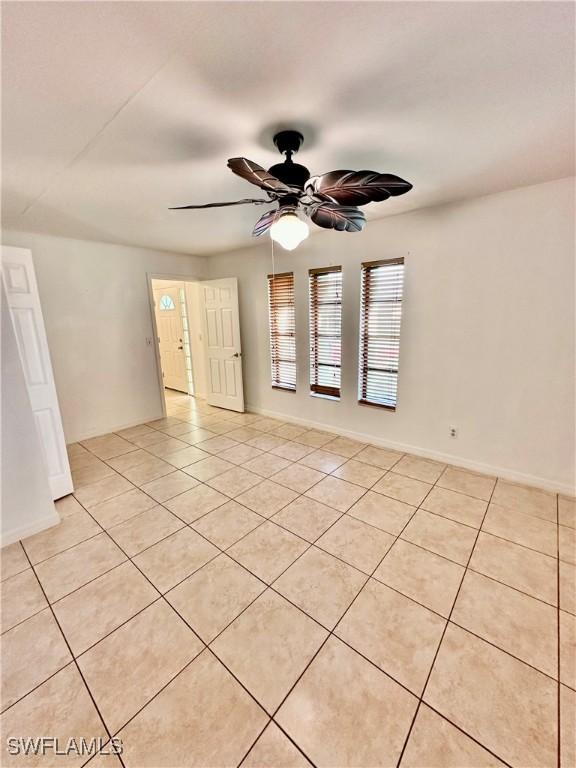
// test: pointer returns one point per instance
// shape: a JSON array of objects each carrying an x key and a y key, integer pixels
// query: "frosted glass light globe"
[{"x": 289, "y": 231}]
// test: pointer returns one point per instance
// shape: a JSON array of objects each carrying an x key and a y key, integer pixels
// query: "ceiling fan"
[{"x": 329, "y": 200}]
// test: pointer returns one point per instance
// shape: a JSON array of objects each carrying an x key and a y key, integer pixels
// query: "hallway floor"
[{"x": 229, "y": 589}]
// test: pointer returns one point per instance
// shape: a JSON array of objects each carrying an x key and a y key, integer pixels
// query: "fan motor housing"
[{"x": 290, "y": 173}]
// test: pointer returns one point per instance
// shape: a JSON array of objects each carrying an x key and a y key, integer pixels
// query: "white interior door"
[
  {"x": 171, "y": 337},
  {"x": 221, "y": 322},
  {"x": 26, "y": 313}
]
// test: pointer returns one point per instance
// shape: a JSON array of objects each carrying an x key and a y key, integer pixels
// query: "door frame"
[{"x": 150, "y": 276}]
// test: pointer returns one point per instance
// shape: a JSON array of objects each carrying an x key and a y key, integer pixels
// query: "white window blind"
[
  {"x": 282, "y": 330},
  {"x": 325, "y": 297},
  {"x": 380, "y": 319}
]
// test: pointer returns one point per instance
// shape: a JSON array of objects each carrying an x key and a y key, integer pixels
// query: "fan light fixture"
[
  {"x": 330, "y": 200},
  {"x": 289, "y": 231}
]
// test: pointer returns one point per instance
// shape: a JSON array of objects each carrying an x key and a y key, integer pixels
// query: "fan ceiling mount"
[{"x": 331, "y": 200}]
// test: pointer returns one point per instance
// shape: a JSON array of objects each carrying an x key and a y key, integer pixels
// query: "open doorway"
[{"x": 179, "y": 340}]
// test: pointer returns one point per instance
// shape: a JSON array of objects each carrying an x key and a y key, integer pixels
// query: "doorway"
[{"x": 179, "y": 339}]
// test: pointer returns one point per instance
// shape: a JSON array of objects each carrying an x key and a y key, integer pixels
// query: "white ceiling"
[{"x": 114, "y": 111}]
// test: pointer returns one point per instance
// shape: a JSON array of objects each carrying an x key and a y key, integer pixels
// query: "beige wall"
[
  {"x": 97, "y": 312},
  {"x": 487, "y": 338}
]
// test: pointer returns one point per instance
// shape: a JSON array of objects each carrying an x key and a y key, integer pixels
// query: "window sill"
[
  {"x": 325, "y": 397},
  {"x": 378, "y": 405}
]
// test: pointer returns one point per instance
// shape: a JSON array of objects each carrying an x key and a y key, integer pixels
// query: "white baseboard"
[
  {"x": 24, "y": 531},
  {"x": 446, "y": 458}
]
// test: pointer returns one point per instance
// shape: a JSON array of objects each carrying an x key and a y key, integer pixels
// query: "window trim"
[
  {"x": 274, "y": 360},
  {"x": 319, "y": 390},
  {"x": 363, "y": 340}
]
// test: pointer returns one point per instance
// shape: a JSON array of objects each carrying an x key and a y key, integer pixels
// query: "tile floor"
[{"x": 228, "y": 589}]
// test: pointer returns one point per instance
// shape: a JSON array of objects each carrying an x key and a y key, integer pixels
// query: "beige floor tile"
[
  {"x": 323, "y": 461},
  {"x": 307, "y": 518},
  {"x": 269, "y": 443},
  {"x": 265, "y": 424},
  {"x": 419, "y": 469},
  {"x": 105, "y": 489},
  {"x": 470, "y": 483},
  {"x": 22, "y": 597},
  {"x": 336, "y": 493},
  {"x": 68, "y": 532},
  {"x": 267, "y": 464},
  {"x": 530, "y": 501},
  {"x": 67, "y": 506},
  {"x": 75, "y": 567},
  {"x": 234, "y": 481},
  {"x": 167, "y": 421},
  {"x": 436, "y": 743},
  {"x": 268, "y": 646},
  {"x": 178, "y": 429},
  {"x": 213, "y": 596},
  {"x": 240, "y": 453},
  {"x": 243, "y": 434},
  {"x": 519, "y": 728},
  {"x": 289, "y": 431},
  {"x": 322, "y": 586},
  {"x": 75, "y": 449},
  {"x": 149, "y": 438},
  {"x": 567, "y": 511},
  {"x": 427, "y": 578},
  {"x": 127, "y": 668},
  {"x": 267, "y": 551},
  {"x": 359, "y": 473},
  {"x": 90, "y": 473},
  {"x": 228, "y": 523},
  {"x": 132, "y": 432},
  {"x": 196, "y": 502},
  {"x": 145, "y": 529},
  {"x": 127, "y": 460},
  {"x": 208, "y": 468},
  {"x": 196, "y": 435},
  {"x": 105, "y": 759},
  {"x": 121, "y": 508},
  {"x": 567, "y": 727},
  {"x": 344, "y": 446},
  {"x": 61, "y": 708},
  {"x": 379, "y": 457},
  {"x": 267, "y": 498},
  {"x": 13, "y": 560},
  {"x": 567, "y": 587},
  {"x": 217, "y": 444},
  {"x": 568, "y": 649},
  {"x": 397, "y": 634},
  {"x": 525, "y": 627},
  {"x": 315, "y": 438},
  {"x": 455, "y": 506},
  {"x": 512, "y": 564},
  {"x": 444, "y": 537},
  {"x": 218, "y": 731},
  {"x": 519, "y": 528},
  {"x": 185, "y": 457},
  {"x": 168, "y": 486},
  {"x": 345, "y": 712},
  {"x": 383, "y": 512},
  {"x": 291, "y": 451},
  {"x": 298, "y": 478},
  {"x": 169, "y": 446},
  {"x": 108, "y": 446},
  {"x": 174, "y": 558},
  {"x": 148, "y": 470},
  {"x": 567, "y": 544},
  {"x": 358, "y": 544},
  {"x": 273, "y": 748},
  {"x": 31, "y": 653},
  {"x": 96, "y": 609},
  {"x": 402, "y": 488}
]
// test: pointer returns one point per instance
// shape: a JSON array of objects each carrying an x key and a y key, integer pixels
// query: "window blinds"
[
  {"x": 380, "y": 318},
  {"x": 282, "y": 330},
  {"x": 325, "y": 295}
]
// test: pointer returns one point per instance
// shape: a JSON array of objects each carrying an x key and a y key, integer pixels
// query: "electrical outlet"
[
  {"x": 148, "y": 341},
  {"x": 453, "y": 432}
]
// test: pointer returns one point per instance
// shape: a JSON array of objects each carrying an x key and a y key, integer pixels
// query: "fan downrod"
[{"x": 288, "y": 142}]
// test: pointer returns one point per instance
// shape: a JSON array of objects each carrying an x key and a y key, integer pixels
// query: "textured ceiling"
[{"x": 114, "y": 111}]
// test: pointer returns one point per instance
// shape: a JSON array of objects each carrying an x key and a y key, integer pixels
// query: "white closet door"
[
  {"x": 221, "y": 322},
  {"x": 26, "y": 313}
]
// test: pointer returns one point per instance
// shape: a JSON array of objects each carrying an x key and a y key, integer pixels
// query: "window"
[
  {"x": 282, "y": 331},
  {"x": 166, "y": 302},
  {"x": 325, "y": 287},
  {"x": 380, "y": 316}
]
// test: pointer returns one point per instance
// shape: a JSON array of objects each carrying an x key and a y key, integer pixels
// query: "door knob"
[
  {"x": 237, "y": 354},
  {"x": 180, "y": 347}
]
